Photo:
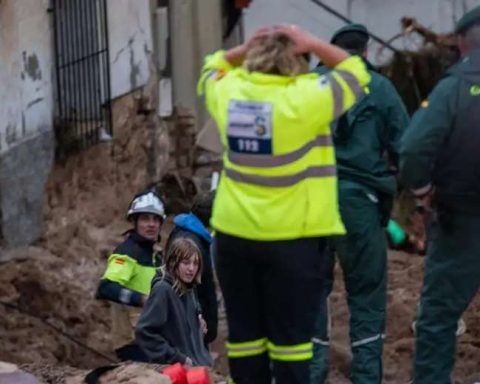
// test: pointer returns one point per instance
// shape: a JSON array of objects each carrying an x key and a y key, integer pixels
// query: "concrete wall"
[
  {"x": 27, "y": 102},
  {"x": 381, "y": 16},
  {"x": 26, "y": 99},
  {"x": 26, "y": 120},
  {"x": 195, "y": 31},
  {"x": 130, "y": 39}
]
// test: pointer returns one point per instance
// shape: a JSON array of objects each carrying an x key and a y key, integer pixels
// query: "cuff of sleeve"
[
  {"x": 179, "y": 357},
  {"x": 423, "y": 191},
  {"x": 136, "y": 299}
]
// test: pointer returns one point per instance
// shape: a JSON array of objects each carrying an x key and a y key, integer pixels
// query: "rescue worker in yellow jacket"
[
  {"x": 274, "y": 121},
  {"x": 132, "y": 266}
]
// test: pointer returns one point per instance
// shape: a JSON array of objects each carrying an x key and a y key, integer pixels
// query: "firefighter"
[
  {"x": 367, "y": 140},
  {"x": 439, "y": 162},
  {"x": 131, "y": 267},
  {"x": 269, "y": 220}
]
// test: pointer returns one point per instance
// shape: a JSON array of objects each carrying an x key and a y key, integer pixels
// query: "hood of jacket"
[{"x": 192, "y": 223}]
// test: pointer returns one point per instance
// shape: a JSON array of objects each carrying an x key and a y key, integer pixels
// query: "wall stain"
[
  {"x": 24, "y": 127},
  {"x": 134, "y": 67},
  {"x": 11, "y": 134},
  {"x": 33, "y": 102},
  {"x": 129, "y": 44},
  {"x": 32, "y": 66}
]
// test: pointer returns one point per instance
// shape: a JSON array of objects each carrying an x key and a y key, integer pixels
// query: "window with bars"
[{"x": 84, "y": 115}]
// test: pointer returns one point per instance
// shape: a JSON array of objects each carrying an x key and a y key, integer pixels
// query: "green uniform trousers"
[
  {"x": 452, "y": 277},
  {"x": 362, "y": 254}
]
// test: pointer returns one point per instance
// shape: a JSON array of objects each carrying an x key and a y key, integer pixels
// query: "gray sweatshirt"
[{"x": 168, "y": 330}]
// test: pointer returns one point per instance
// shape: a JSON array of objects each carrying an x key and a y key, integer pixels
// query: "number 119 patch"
[{"x": 249, "y": 127}]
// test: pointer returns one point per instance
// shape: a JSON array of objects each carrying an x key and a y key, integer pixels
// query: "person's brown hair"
[
  {"x": 275, "y": 55},
  {"x": 179, "y": 250}
]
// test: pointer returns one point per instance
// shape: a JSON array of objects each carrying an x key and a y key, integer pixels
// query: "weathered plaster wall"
[
  {"x": 381, "y": 16},
  {"x": 130, "y": 39},
  {"x": 26, "y": 99},
  {"x": 26, "y": 119}
]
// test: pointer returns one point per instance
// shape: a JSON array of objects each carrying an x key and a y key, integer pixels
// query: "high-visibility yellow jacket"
[
  {"x": 130, "y": 270},
  {"x": 279, "y": 179}
]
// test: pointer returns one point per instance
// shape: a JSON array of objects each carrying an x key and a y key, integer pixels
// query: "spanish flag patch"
[
  {"x": 119, "y": 261},
  {"x": 219, "y": 74}
]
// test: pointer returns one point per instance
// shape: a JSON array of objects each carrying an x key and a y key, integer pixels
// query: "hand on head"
[{"x": 302, "y": 39}]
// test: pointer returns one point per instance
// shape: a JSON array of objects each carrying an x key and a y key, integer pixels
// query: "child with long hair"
[{"x": 170, "y": 329}]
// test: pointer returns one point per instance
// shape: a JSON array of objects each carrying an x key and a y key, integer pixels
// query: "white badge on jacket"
[{"x": 249, "y": 127}]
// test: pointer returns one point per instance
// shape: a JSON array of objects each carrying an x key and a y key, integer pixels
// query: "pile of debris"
[{"x": 415, "y": 72}]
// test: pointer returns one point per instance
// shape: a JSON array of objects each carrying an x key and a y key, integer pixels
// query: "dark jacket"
[
  {"x": 441, "y": 146},
  {"x": 168, "y": 330},
  {"x": 189, "y": 226},
  {"x": 367, "y": 137},
  {"x": 130, "y": 270}
]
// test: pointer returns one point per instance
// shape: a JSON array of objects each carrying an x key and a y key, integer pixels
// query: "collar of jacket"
[
  {"x": 265, "y": 78},
  {"x": 192, "y": 223},
  {"x": 168, "y": 278},
  {"x": 322, "y": 69},
  {"x": 469, "y": 67},
  {"x": 140, "y": 240}
]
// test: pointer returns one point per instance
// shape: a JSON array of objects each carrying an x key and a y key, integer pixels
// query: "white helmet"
[{"x": 147, "y": 202}]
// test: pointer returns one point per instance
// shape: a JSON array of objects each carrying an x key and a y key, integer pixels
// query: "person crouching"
[{"x": 171, "y": 328}]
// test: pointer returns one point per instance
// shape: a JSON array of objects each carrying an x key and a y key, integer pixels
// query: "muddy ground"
[{"x": 61, "y": 290}]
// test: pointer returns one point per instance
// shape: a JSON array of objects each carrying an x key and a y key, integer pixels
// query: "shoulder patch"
[{"x": 217, "y": 74}]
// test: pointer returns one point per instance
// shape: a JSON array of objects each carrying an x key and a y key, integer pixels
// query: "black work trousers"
[{"x": 271, "y": 293}]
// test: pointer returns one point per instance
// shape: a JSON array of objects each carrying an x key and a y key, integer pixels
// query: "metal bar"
[
  {"x": 78, "y": 73},
  {"x": 82, "y": 31},
  {"x": 88, "y": 69},
  {"x": 57, "y": 61},
  {"x": 108, "y": 103},
  {"x": 66, "y": 53},
  {"x": 348, "y": 21},
  {"x": 94, "y": 73},
  {"x": 63, "y": 53}
]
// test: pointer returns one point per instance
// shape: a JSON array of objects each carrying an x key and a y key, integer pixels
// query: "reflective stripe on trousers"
[
  {"x": 247, "y": 348},
  {"x": 298, "y": 352},
  {"x": 323, "y": 343},
  {"x": 368, "y": 340}
]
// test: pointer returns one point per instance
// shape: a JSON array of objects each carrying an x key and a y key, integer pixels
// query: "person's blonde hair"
[
  {"x": 275, "y": 54},
  {"x": 179, "y": 250}
]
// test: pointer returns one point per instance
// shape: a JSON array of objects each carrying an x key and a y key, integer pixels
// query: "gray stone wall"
[{"x": 24, "y": 170}]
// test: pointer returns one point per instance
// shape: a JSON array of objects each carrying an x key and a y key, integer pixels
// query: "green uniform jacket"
[
  {"x": 370, "y": 131},
  {"x": 427, "y": 133}
]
